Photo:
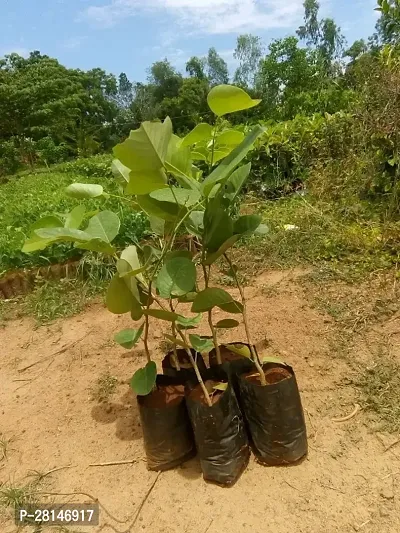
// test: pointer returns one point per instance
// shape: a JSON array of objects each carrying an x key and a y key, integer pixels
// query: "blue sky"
[{"x": 129, "y": 35}]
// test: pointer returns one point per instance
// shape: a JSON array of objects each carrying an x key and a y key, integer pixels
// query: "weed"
[
  {"x": 5, "y": 446},
  {"x": 104, "y": 388},
  {"x": 380, "y": 384}
]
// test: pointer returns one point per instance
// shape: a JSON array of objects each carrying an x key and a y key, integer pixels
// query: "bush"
[
  {"x": 98, "y": 166},
  {"x": 10, "y": 160}
]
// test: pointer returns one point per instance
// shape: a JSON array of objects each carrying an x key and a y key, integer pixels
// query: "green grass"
[
  {"x": 104, "y": 388},
  {"x": 25, "y": 199}
]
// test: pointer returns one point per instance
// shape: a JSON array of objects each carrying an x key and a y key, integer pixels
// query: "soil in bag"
[
  {"x": 274, "y": 415},
  {"x": 186, "y": 371},
  {"x": 219, "y": 431},
  {"x": 167, "y": 433},
  {"x": 232, "y": 362}
]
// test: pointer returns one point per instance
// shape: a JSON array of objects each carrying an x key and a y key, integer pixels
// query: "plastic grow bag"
[
  {"x": 219, "y": 431},
  {"x": 186, "y": 372},
  {"x": 275, "y": 417},
  {"x": 167, "y": 432}
]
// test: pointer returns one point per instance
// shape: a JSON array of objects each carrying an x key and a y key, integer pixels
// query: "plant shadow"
[
  {"x": 125, "y": 415},
  {"x": 191, "y": 469}
]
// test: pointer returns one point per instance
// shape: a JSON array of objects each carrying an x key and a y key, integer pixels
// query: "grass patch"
[
  {"x": 60, "y": 299},
  {"x": 5, "y": 446},
  {"x": 348, "y": 246},
  {"x": 380, "y": 385},
  {"x": 104, "y": 388}
]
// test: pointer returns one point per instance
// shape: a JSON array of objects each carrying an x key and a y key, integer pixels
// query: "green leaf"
[
  {"x": 169, "y": 316},
  {"x": 233, "y": 307},
  {"x": 119, "y": 298},
  {"x": 47, "y": 222},
  {"x": 120, "y": 170},
  {"x": 177, "y": 195},
  {"x": 224, "y": 169},
  {"x": 262, "y": 229},
  {"x": 211, "y": 258},
  {"x": 35, "y": 243},
  {"x": 179, "y": 163},
  {"x": 195, "y": 223},
  {"x": 247, "y": 224},
  {"x": 163, "y": 210},
  {"x": 236, "y": 181},
  {"x": 230, "y": 137},
  {"x": 75, "y": 217},
  {"x": 218, "y": 227},
  {"x": 176, "y": 277},
  {"x": 63, "y": 234},
  {"x": 227, "y": 323},
  {"x": 144, "y": 379},
  {"x": 200, "y": 344},
  {"x": 84, "y": 190},
  {"x": 128, "y": 338},
  {"x": 97, "y": 245},
  {"x": 209, "y": 298},
  {"x": 224, "y": 99},
  {"x": 187, "y": 298},
  {"x": 218, "y": 155},
  {"x": 130, "y": 255},
  {"x": 201, "y": 132},
  {"x": 144, "y": 153},
  {"x": 221, "y": 386},
  {"x": 104, "y": 226},
  {"x": 272, "y": 359},
  {"x": 188, "y": 323},
  {"x": 239, "y": 349}
]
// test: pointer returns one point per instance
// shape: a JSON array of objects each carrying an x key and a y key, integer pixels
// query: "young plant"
[{"x": 156, "y": 172}]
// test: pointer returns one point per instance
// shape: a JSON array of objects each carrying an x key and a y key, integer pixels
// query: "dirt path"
[{"x": 348, "y": 483}]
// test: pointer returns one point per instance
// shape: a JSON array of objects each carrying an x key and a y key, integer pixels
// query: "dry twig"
[{"x": 350, "y": 416}]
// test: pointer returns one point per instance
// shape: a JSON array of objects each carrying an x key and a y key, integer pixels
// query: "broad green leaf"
[
  {"x": 75, "y": 217},
  {"x": 131, "y": 256},
  {"x": 240, "y": 349},
  {"x": 230, "y": 137},
  {"x": 176, "y": 341},
  {"x": 200, "y": 344},
  {"x": 227, "y": 323},
  {"x": 144, "y": 153},
  {"x": 195, "y": 223},
  {"x": 144, "y": 379},
  {"x": 200, "y": 156},
  {"x": 188, "y": 323},
  {"x": 224, "y": 99},
  {"x": 247, "y": 224},
  {"x": 120, "y": 170},
  {"x": 124, "y": 268},
  {"x": 187, "y": 298},
  {"x": 221, "y": 386},
  {"x": 176, "y": 195},
  {"x": 169, "y": 316},
  {"x": 211, "y": 258},
  {"x": 157, "y": 225},
  {"x": 209, "y": 298},
  {"x": 179, "y": 253},
  {"x": 97, "y": 245},
  {"x": 47, "y": 222},
  {"x": 218, "y": 227},
  {"x": 128, "y": 338},
  {"x": 35, "y": 243},
  {"x": 233, "y": 307},
  {"x": 179, "y": 163},
  {"x": 118, "y": 298},
  {"x": 150, "y": 253},
  {"x": 63, "y": 234},
  {"x": 228, "y": 165},
  {"x": 104, "y": 226},
  {"x": 84, "y": 190},
  {"x": 176, "y": 277},
  {"x": 236, "y": 181},
  {"x": 219, "y": 154},
  {"x": 201, "y": 132},
  {"x": 163, "y": 210}
]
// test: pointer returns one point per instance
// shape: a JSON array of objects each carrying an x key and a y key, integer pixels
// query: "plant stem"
[
  {"x": 146, "y": 337},
  {"x": 173, "y": 328},
  {"x": 197, "y": 371},
  {"x": 210, "y": 322},
  {"x": 254, "y": 353}
]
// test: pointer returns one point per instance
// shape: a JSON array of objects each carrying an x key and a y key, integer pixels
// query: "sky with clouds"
[{"x": 129, "y": 35}]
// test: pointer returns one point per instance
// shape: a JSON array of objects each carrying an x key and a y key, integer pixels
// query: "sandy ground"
[{"x": 348, "y": 483}]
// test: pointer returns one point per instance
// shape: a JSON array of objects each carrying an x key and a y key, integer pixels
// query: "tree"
[
  {"x": 217, "y": 69},
  {"x": 357, "y": 49},
  {"x": 388, "y": 25},
  {"x": 248, "y": 52},
  {"x": 195, "y": 67},
  {"x": 125, "y": 91},
  {"x": 165, "y": 80}
]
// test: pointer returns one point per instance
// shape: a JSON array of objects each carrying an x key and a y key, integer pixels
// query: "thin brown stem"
[
  {"x": 253, "y": 351},
  {"x": 173, "y": 329},
  {"x": 210, "y": 321}
]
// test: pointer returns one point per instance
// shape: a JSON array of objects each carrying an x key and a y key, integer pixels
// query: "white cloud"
[
  {"x": 21, "y": 51},
  {"x": 205, "y": 16},
  {"x": 74, "y": 42}
]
